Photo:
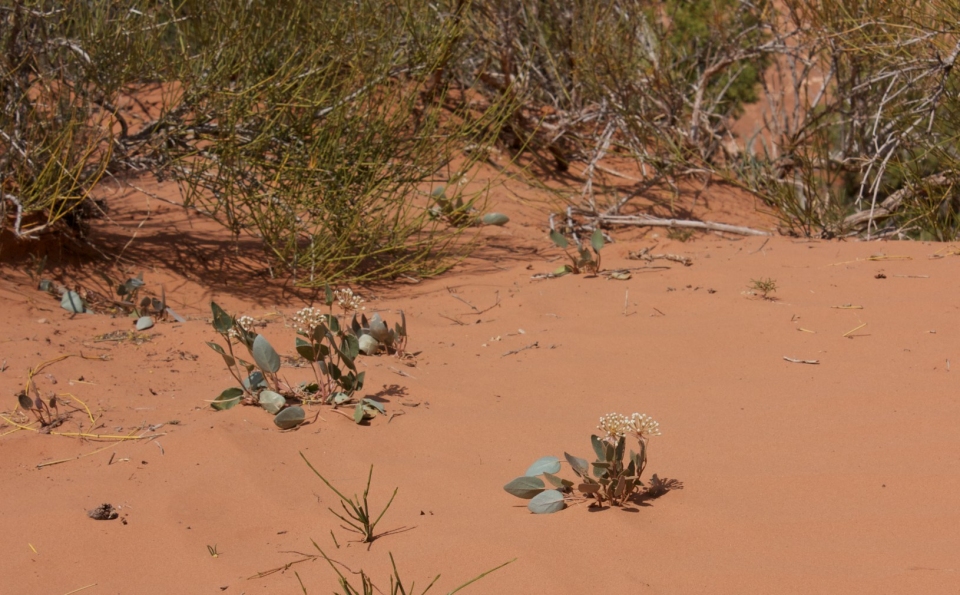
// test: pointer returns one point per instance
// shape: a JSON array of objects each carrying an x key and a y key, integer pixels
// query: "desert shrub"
[
  {"x": 308, "y": 125},
  {"x": 321, "y": 128},
  {"x": 655, "y": 80},
  {"x": 858, "y": 104}
]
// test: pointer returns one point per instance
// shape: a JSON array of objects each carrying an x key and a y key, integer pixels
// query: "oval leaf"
[
  {"x": 351, "y": 347},
  {"x": 71, "y": 302},
  {"x": 227, "y": 399},
  {"x": 306, "y": 350},
  {"x": 375, "y": 405},
  {"x": 525, "y": 487},
  {"x": 271, "y": 401},
  {"x": 290, "y": 417},
  {"x": 222, "y": 322},
  {"x": 597, "y": 446},
  {"x": 596, "y": 240},
  {"x": 144, "y": 322},
  {"x": 340, "y": 398},
  {"x": 265, "y": 355},
  {"x": 25, "y": 402},
  {"x": 368, "y": 345},
  {"x": 558, "y": 482},
  {"x": 547, "y": 502},
  {"x": 495, "y": 219},
  {"x": 588, "y": 488},
  {"x": 358, "y": 413},
  {"x": 580, "y": 466},
  {"x": 544, "y": 465},
  {"x": 558, "y": 239},
  {"x": 378, "y": 328},
  {"x": 254, "y": 381}
]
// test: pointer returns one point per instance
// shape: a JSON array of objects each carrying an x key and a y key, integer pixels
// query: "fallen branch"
[{"x": 649, "y": 221}]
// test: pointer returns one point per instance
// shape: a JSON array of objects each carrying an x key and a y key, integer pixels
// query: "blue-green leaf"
[
  {"x": 525, "y": 487},
  {"x": 265, "y": 355},
  {"x": 306, "y": 350},
  {"x": 580, "y": 466},
  {"x": 290, "y": 417},
  {"x": 375, "y": 405},
  {"x": 254, "y": 381},
  {"x": 597, "y": 446},
  {"x": 495, "y": 219},
  {"x": 547, "y": 502},
  {"x": 227, "y": 399},
  {"x": 72, "y": 302},
  {"x": 558, "y": 239},
  {"x": 271, "y": 401},
  {"x": 544, "y": 465},
  {"x": 596, "y": 240},
  {"x": 222, "y": 322}
]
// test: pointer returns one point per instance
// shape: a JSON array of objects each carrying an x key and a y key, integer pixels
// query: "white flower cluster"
[
  {"x": 639, "y": 425},
  {"x": 348, "y": 300},
  {"x": 613, "y": 424},
  {"x": 643, "y": 426},
  {"x": 247, "y": 323},
  {"x": 308, "y": 319}
]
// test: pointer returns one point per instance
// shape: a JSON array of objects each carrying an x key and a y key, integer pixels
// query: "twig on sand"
[
  {"x": 401, "y": 372},
  {"x": 853, "y": 330},
  {"x": 81, "y": 589},
  {"x": 801, "y": 361},
  {"x": 474, "y": 308},
  {"x": 459, "y": 322},
  {"x": 533, "y": 345}
]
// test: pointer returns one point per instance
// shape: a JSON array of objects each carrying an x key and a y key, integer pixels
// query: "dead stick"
[
  {"x": 801, "y": 361},
  {"x": 647, "y": 221},
  {"x": 533, "y": 345}
]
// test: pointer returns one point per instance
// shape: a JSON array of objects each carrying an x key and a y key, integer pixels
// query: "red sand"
[{"x": 832, "y": 478}]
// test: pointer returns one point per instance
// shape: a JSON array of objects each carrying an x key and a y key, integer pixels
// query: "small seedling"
[
  {"x": 375, "y": 335},
  {"x": 361, "y": 521},
  {"x": 606, "y": 480},
  {"x": 46, "y": 412},
  {"x": 583, "y": 260},
  {"x": 213, "y": 551},
  {"x": 764, "y": 286},
  {"x": 459, "y": 213},
  {"x": 680, "y": 234}
]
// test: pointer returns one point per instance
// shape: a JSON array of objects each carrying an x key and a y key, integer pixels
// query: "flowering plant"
[
  {"x": 329, "y": 347},
  {"x": 608, "y": 479}
]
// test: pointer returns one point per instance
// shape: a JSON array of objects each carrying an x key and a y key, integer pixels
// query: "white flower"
[
  {"x": 613, "y": 424},
  {"x": 348, "y": 300},
  {"x": 308, "y": 319},
  {"x": 643, "y": 426},
  {"x": 639, "y": 425},
  {"x": 247, "y": 323}
]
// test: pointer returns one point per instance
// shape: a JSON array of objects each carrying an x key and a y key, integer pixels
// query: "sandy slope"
[{"x": 832, "y": 478}]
